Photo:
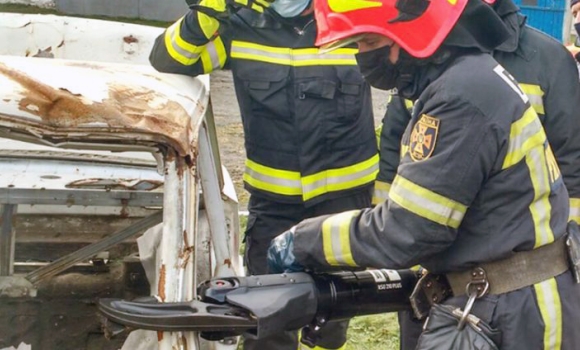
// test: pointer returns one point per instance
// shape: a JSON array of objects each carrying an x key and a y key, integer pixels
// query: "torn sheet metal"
[
  {"x": 94, "y": 102},
  {"x": 91, "y": 79}
]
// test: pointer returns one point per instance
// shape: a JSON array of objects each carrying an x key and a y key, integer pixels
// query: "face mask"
[
  {"x": 376, "y": 68},
  {"x": 289, "y": 8},
  {"x": 577, "y": 27}
]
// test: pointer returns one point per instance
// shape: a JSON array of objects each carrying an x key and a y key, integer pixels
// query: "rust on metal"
[
  {"x": 129, "y": 39},
  {"x": 159, "y": 336},
  {"x": 228, "y": 262},
  {"x": 162, "y": 281},
  {"x": 187, "y": 251},
  {"x": 124, "y": 208},
  {"x": 127, "y": 108}
]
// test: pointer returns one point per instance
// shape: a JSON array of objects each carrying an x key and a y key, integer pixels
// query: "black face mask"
[
  {"x": 577, "y": 27},
  {"x": 376, "y": 68}
]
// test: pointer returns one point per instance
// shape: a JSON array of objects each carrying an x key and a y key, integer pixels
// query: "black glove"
[
  {"x": 217, "y": 8},
  {"x": 281, "y": 254}
]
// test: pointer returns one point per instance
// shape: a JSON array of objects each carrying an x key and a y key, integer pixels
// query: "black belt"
[{"x": 519, "y": 270}]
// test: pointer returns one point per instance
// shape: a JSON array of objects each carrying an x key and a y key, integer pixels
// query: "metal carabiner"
[
  {"x": 467, "y": 310},
  {"x": 478, "y": 287}
]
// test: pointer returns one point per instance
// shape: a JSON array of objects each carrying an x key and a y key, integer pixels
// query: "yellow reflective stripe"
[
  {"x": 381, "y": 193},
  {"x": 553, "y": 168},
  {"x": 336, "y": 239},
  {"x": 528, "y": 141},
  {"x": 292, "y": 57},
  {"x": 525, "y": 134},
  {"x": 180, "y": 50},
  {"x": 536, "y": 96},
  {"x": 426, "y": 203},
  {"x": 341, "y": 178},
  {"x": 551, "y": 311},
  {"x": 408, "y": 104},
  {"x": 272, "y": 180},
  {"x": 208, "y": 25},
  {"x": 378, "y": 131},
  {"x": 575, "y": 210},
  {"x": 214, "y": 55},
  {"x": 540, "y": 208}
]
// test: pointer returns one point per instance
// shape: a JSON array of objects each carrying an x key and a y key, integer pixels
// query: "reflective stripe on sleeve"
[
  {"x": 551, "y": 311},
  {"x": 336, "y": 239},
  {"x": 575, "y": 210},
  {"x": 525, "y": 134},
  {"x": 426, "y": 203},
  {"x": 540, "y": 208},
  {"x": 214, "y": 55},
  {"x": 528, "y": 141},
  {"x": 292, "y": 57},
  {"x": 536, "y": 96},
  {"x": 179, "y": 49},
  {"x": 381, "y": 192}
]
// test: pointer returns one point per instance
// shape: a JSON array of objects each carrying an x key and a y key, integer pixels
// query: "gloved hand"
[
  {"x": 256, "y": 5},
  {"x": 281, "y": 254},
  {"x": 217, "y": 8}
]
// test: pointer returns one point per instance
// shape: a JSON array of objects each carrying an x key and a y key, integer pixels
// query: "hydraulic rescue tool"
[{"x": 258, "y": 306}]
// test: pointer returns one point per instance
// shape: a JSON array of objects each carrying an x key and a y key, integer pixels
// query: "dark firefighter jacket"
[
  {"x": 548, "y": 75},
  {"x": 477, "y": 181},
  {"x": 307, "y": 117}
]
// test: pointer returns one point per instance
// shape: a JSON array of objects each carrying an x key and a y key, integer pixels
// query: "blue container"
[{"x": 545, "y": 15}]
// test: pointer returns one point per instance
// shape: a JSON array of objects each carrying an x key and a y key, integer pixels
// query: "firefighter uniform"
[
  {"x": 547, "y": 74},
  {"x": 307, "y": 118},
  {"x": 477, "y": 181}
]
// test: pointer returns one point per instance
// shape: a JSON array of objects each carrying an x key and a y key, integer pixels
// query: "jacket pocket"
[
  {"x": 265, "y": 91},
  {"x": 351, "y": 91}
]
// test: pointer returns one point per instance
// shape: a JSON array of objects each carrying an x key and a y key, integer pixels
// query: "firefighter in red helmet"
[
  {"x": 478, "y": 199},
  {"x": 547, "y": 74}
]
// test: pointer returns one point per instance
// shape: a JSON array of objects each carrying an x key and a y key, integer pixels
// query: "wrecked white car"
[{"x": 96, "y": 147}]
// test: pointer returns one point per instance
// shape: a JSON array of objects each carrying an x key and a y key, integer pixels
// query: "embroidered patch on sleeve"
[{"x": 423, "y": 138}]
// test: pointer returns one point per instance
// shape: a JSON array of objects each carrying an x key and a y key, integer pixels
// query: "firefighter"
[
  {"x": 307, "y": 118},
  {"x": 478, "y": 198},
  {"x": 549, "y": 77}
]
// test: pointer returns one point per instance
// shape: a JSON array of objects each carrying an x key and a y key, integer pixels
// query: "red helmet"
[{"x": 418, "y": 26}]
